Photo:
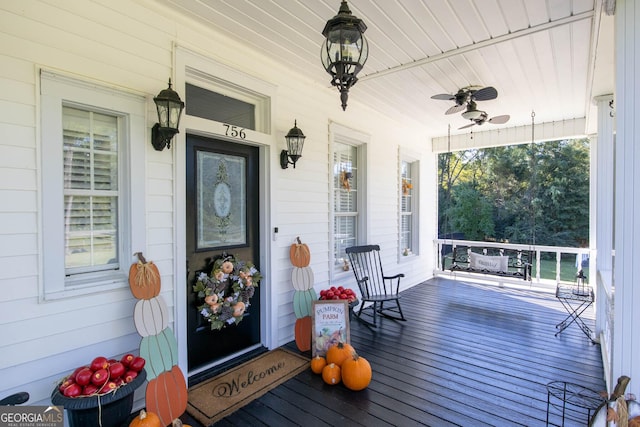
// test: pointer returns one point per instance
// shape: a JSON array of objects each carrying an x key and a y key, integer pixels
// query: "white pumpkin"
[
  {"x": 151, "y": 316},
  {"x": 302, "y": 278}
]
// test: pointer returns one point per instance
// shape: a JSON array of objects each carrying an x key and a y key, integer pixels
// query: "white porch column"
[
  {"x": 601, "y": 224},
  {"x": 626, "y": 332}
]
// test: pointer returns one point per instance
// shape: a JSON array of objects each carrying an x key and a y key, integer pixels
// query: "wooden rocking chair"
[{"x": 376, "y": 288}]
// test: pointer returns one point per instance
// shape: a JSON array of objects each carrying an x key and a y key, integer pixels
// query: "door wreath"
[{"x": 227, "y": 291}]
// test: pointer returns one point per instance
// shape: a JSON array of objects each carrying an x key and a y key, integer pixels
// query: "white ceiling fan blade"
[
  {"x": 455, "y": 109},
  {"x": 444, "y": 97},
  {"x": 467, "y": 126},
  {"x": 498, "y": 120}
]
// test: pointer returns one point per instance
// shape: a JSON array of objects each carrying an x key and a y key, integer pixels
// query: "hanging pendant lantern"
[{"x": 344, "y": 50}]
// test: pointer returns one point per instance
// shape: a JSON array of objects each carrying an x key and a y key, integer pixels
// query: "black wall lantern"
[
  {"x": 169, "y": 106},
  {"x": 295, "y": 141},
  {"x": 345, "y": 50}
]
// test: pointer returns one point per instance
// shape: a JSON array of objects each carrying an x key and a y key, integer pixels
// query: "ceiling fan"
[
  {"x": 479, "y": 117},
  {"x": 467, "y": 95}
]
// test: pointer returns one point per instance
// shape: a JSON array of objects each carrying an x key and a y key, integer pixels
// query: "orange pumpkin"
[
  {"x": 302, "y": 333},
  {"x": 145, "y": 419},
  {"x": 356, "y": 372},
  {"x": 178, "y": 423},
  {"x": 338, "y": 353},
  {"x": 331, "y": 374},
  {"x": 166, "y": 395},
  {"x": 317, "y": 364},
  {"x": 299, "y": 254},
  {"x": 144, "y": 278}
]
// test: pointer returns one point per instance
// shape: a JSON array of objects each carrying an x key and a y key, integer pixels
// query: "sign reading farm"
[{"x": 330, "y": 325}]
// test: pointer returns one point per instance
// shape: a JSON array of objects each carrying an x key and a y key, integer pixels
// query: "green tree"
[
  {"x": 535, "y": 193},
  {"x": 471, "y": 212}
]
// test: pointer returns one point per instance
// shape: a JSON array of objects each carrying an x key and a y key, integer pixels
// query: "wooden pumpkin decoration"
[
  {"x": 331, "y": 374},
  {"x": 166, "y": 395},
  {"x": 144, "y": 278},
  {"x": 299, "y": 254},
  {"x": 302, "y": 278},
  {"x": 317, "y": 364},
  {"x": 356, "y": 372},
  {"x": 302, "y": 333},
  {"x": 160, "y": 351},
  {"x": 151, "y": 316},
  {"x": 338, "y": 353},
  {"x": 303, "y": 301},
  {"x": 145, "y": 419}
]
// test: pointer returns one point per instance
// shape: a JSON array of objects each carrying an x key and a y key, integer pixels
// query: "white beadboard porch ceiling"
[{"x": 547, "y": 56}]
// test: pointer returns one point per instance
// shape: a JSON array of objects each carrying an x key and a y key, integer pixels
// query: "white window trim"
[
  {"x": 345, "y": 135},
  {"x": 57, "y": 89},
  {"x": 409, "y": 156}
]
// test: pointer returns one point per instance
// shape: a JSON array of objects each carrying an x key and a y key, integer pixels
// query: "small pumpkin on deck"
[
  {"x": 144, "y": 278},
  {"x": 317, "y": 364},
  {"x": 331, "y": 374},
  {"x": 339, "y": 352},
  {"x": 299, "y": 254},
  {"x": 146, "y": 419},
  {"x": 356, "y": 372}
]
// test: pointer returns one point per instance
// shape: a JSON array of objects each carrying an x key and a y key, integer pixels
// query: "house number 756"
[{"x": 234, "y": 131}]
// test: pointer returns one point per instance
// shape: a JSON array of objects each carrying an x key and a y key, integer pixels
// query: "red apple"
[
  {"x": 66, "y": 383},
  {"x": 89, "y": 389},
  {"x": 107, "y": 387},
  {"x": 73, "y": 390},
  {"x": 126, "y": 359},
  {"x": 99, "y": 363},
  {"x": 137, "y": 364},
  {"x": 130, "y": 376},
  {"x": 83, "y": 377},
  {"x": 100, "y": 377},
  {"x": 116, "y": 370},
  {"x": 75, "y": 372}
]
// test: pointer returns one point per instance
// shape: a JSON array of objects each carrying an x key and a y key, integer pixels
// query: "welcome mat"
[{"x": 218, "y": 397}]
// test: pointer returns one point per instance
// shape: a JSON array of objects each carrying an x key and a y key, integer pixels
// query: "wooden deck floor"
[{"x": 469, "y": 355}]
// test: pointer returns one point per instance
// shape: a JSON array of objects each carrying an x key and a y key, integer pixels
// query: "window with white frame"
[
  {"x": 345, "y": 201},
  {"x": 92, "y": 203},
  {"x": 91, "y": 190},
  {"x": 408, "y": 236}
]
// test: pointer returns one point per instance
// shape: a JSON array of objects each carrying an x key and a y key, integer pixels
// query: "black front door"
[{"x": 222, "y": 217}]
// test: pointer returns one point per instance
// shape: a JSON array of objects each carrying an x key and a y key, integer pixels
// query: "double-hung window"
[
  {"x": 345, "y": 201},
  {"x": 91, "y": 191},
  {"x": 349, "y": 153},
  {"x": 92, "y": 214},
  {"x": 408, "y": 221}
]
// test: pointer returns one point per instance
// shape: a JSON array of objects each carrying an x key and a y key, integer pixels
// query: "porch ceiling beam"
[
  {"x": 547, "y": 131},
  {"x": 479, "y": 45}
]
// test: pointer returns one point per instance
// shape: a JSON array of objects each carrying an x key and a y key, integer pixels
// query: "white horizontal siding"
[{"x": 128, "y": 44}]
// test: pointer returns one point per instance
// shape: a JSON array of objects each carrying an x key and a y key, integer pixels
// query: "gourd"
[
  {"x": 299, "y": 254},
  {"x": 339, "y": 352},
  {"x": 144, "y": 278},
  {"x": 166, "y": 395},
  {"x": 317, "y": 364},
  {"x": 331, "y": 374},
  {"x": 178, "y": 423},
  {"x": 356, "y": 372},
  {"x": 145, "y": 419}
]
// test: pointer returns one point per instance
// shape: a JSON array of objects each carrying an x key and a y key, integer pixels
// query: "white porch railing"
[{"x": 560, "y": 263}]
